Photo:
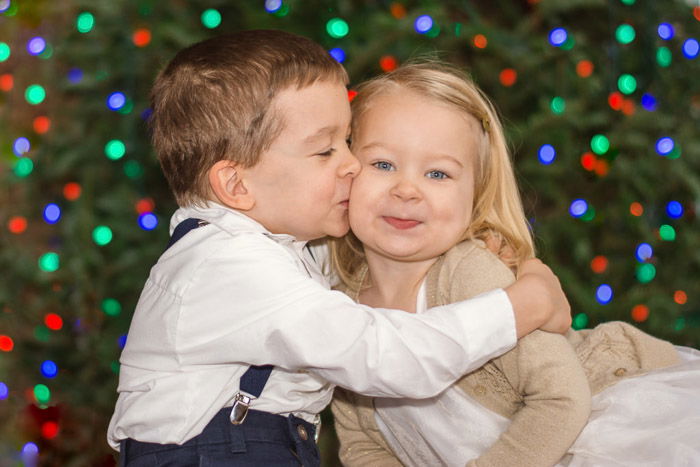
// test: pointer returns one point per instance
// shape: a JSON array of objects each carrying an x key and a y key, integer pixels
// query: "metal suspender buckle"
[{"x": 240, "y": 408}]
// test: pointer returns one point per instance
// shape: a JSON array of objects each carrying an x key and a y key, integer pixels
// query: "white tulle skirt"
[{"x": 651, "y": 420}]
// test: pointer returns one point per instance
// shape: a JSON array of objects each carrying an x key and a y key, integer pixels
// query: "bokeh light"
[
  {"x": 558, "y": 105},
  {"x": 636, "y": 209},
  {"x": 667, "y": 233},
  {"x": 508, "y": 77},
  {"x": 141, "y": 37},
  {"x": 49, "y": 368},
  {"x": 7, "y": 82},
  {"x": 578, "y": 207},
  {"x": 23, "y": 167},
  {"x": 5, "y": 51},
  {"x": 53, "y": 321},
  {"x": 640, "y": 313},
  {"x": 17, "y": 224},
  {"x": 36, "y": 45},
  {"x": 21, "y": 146},
  {"x": 546, "y": 154},
  {"x": 4, "y": 391},
  {"x": 674, "y": 209},
  {"x": 85, "y": 22},
  {"x": 388, "y": 63},
  {"x": 42, "y": 393},
  {"x": 49, "y": 429},
  {"x": 588, "y": 161},
  {"x": 599, "y": 264},
  {"x": 626, "y": 83},
  {"x": 41, "y": 124},
  {"x": 271, "y": 6},
  {"x": 558, "y": 36},
  {"x": 645, "y": 272},
  {"x": 604, "y": 294},
  {"x": 584, "y": 68},
  {"x": 600, "y": 144},
  {"x": 211, "y": 18},
  {"x": 148, "y": 221},
  {"x": 72, "y": 191},
  {"x": 116, "y": 101},
  {"x": 115, "y": 149},
  {"x": 423, "y": 24},
  {"x": 337, "y": 28},
  {"x": 6, "y": 343},
  {"x": 52, "y": 213},
  {"x": 111, "y": 307},
  {"x": 664, "y": 145},
  {"x": 680, "y": 297},
  {"x": 643, "y": 252},
  {"x": 664, "y": 57},
  {"x": 480, "y": 41},
  {"x": 35, "y": 94},
  {"x": 49, "y": 262},
  {"x": 648, "y": 102},
  {"x": 625, "y": 34},
  {"x": 75, "y": 75},
  {"x": 580, "y": 321},
  {"x": 690, "y": 48},
  {"x": 338, "y": 54},
  {"x": 102, "y": 235},
  {"x": 665, "y": 31}
]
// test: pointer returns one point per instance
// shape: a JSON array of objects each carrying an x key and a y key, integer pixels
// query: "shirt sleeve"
[{"x": 252, "y": 304}]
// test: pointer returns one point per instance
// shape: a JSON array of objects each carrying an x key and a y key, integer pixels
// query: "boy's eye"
[
  {"x": 383, "y": 165},
  {"x": 326, "y": 153},
  {"x": 437, "y": 174}
]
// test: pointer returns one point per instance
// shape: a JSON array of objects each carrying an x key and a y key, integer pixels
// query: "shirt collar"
[{"x": 228, "y": 220}]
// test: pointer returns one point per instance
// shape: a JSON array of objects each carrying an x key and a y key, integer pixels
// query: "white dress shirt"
[{"x": 231, "y": 294}]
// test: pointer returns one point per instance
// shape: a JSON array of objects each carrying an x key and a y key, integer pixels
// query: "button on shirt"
[{"x": 231, "y": 294}]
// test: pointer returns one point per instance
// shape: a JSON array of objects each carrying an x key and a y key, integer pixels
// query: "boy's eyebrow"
[{"x": 321, "y": 132}]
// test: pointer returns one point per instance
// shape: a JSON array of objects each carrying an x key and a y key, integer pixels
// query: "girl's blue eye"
[
  {"x": 436, "y": 174},
  {"x": 383, "y": 165}
]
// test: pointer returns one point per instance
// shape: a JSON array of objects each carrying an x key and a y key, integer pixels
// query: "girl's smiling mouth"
[{"x": 401, "y": 224}]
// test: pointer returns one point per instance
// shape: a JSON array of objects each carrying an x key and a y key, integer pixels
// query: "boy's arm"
[
  {"x": 249, "y": 302},
  {"x": 360, "y": 439},
  {"x": 538, "y": 300}
]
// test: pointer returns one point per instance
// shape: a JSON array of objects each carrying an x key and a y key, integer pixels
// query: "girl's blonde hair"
[{"x": 497, "y": 210}]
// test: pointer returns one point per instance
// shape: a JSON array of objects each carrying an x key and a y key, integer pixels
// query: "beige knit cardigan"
[{"x": 543, "y": 385}]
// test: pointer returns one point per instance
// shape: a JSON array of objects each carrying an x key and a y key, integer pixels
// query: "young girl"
[{"x": 437, "y": 183}]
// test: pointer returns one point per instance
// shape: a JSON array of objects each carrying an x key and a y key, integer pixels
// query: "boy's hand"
[{"x": 538, "y": 300}]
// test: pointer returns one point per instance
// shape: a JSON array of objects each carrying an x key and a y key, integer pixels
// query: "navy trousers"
[{"x": 262, "y": 439}]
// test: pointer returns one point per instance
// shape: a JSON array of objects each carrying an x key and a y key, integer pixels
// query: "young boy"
[{"x": 251, "y": 129}]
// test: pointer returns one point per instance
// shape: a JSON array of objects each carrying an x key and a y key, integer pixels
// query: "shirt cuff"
[{"x": 488, "y": 321}]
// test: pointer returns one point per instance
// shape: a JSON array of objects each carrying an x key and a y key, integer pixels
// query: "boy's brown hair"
[{"x": 213, "y": 100}]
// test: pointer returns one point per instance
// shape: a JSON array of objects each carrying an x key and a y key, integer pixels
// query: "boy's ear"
[{"x": 227, "y": 181}]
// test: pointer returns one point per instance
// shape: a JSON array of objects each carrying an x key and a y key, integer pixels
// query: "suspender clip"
[{"x": 240, "y": 408}]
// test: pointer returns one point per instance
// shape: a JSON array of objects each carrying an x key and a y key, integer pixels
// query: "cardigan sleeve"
[
  {"x": 556, "y": 400},
  {"x": 361, "y": 443},
  {"x": 542, "y": 369}
]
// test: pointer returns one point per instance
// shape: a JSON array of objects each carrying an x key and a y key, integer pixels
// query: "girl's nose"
[{"x": 405, "y": 189}]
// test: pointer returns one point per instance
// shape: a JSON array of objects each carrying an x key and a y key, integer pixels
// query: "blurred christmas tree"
[{"x": 600, "y": 99}]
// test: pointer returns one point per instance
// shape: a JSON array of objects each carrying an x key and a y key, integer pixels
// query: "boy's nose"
[{"x": 350, "y": 166}]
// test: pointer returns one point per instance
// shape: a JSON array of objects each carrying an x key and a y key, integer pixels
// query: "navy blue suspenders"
[{"x": 254, "y": 379}]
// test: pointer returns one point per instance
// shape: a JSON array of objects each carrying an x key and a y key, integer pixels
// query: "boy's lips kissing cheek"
[{"x": 399, "y": 223}]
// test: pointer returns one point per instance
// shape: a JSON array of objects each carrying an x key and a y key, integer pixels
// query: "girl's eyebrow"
[{"x": 449, "y": 158}]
